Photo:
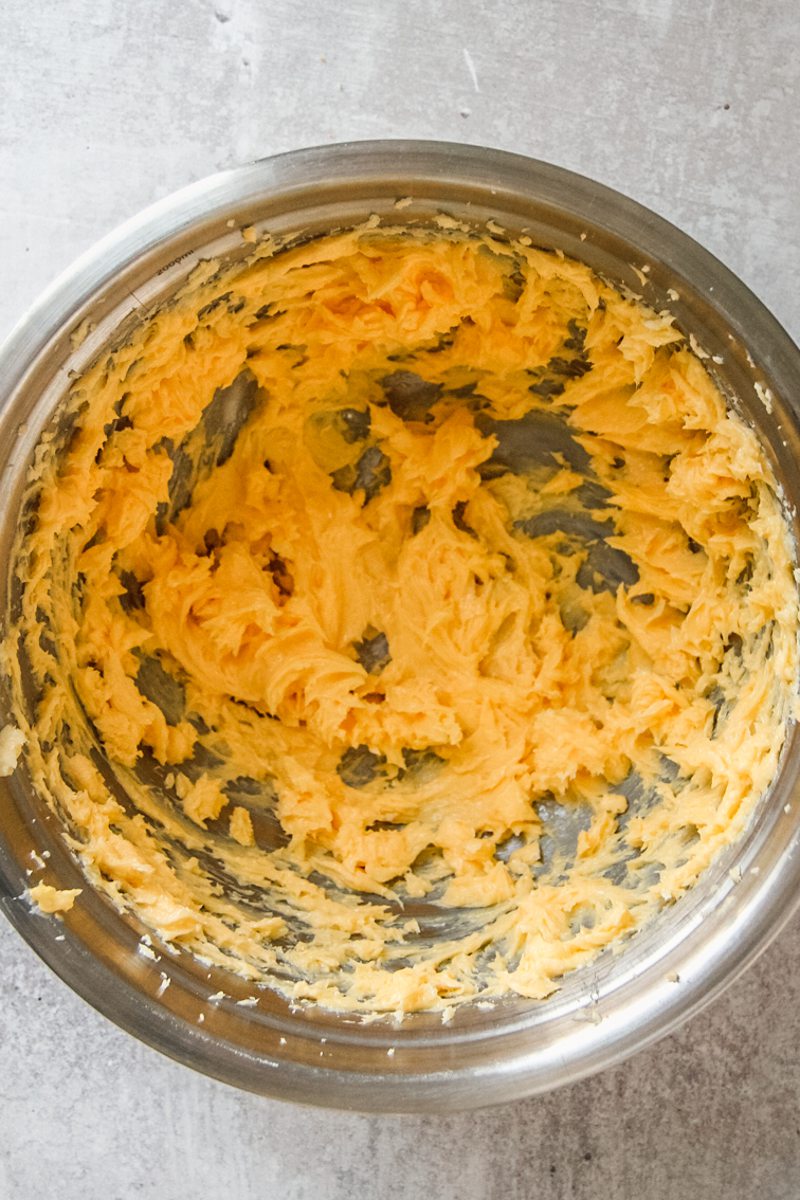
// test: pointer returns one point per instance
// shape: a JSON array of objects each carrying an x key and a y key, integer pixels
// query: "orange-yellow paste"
[{"x": 409, "y": 619}]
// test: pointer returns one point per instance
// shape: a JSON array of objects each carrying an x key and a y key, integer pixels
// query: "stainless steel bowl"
[{"x": 603, "y": 1013}]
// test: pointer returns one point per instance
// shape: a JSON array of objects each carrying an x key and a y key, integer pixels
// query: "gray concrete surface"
[{"x": 691, "y": 106}]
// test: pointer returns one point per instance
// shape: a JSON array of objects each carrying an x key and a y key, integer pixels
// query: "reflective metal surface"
[{"x": 602, "y": 1013}]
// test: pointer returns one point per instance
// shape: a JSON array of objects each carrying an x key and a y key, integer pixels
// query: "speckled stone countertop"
[{"x": 691, "y": 108}]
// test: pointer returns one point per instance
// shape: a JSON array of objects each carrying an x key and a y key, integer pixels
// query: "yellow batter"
[{"x": 408, "y": 619}]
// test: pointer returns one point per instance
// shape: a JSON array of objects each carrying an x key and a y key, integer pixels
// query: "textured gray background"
[{"x": 690, "y": 106}]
